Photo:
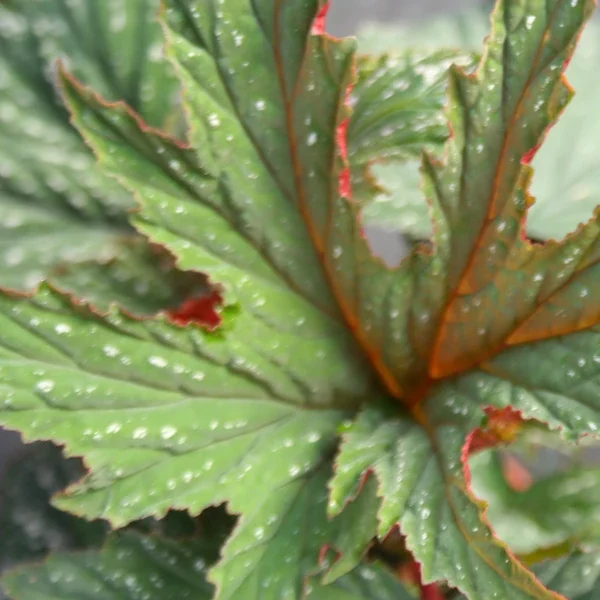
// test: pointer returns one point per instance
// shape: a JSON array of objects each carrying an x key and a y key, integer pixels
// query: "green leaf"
[
  {"x": 551, "y": 381},
  {"x": 131, "y": 566},
  {"x": 422, "y": 484},
  {"x": 272, "y": 236},
  {"x": 397, "y": 105},
  {"x": 366, "y": 582},
  {"x": 575, "y": 576},
  {"x": 55, "y": 207},
  {"x": 276, "y": 545},
  {"x": 397, "y": 112},
  {"x": 401, "y": 206},
  {"x": 37, "y": 219},
  {"x": 135, "y": 566},
  {"x": 57, "y": 355},
  {"x": 31, "y": 528},
  {"x": 479, "y": 197},
  {"x": 591, "y": 595},
  {"x": 566, "y": 167},
  {"x": 115, "y": 46},
  {"x": 183, "y": 418}
]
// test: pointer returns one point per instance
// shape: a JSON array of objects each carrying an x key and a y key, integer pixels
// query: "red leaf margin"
[
  {"x": 502, "y": 427},
  {"x": 320, "y": 22}
]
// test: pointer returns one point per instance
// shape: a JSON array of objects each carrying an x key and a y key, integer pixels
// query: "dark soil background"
[{"x": 345, "y": 18}]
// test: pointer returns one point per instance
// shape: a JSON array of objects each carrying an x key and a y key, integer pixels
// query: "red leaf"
[{"x": 199, "y": 310}]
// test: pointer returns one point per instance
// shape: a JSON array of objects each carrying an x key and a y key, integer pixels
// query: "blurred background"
[{"x": 348, "y": 16}]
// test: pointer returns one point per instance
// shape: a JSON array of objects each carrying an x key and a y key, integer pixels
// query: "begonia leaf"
[{"x": 317, "y": 335}]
